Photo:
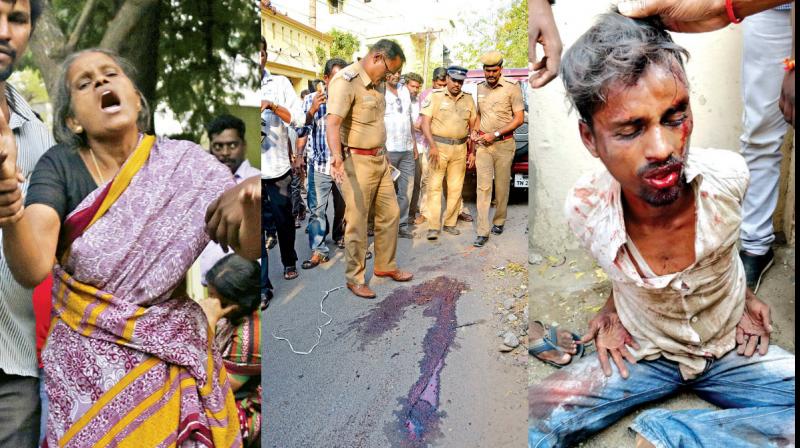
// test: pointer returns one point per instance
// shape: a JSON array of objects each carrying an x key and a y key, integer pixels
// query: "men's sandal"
[
  {"x": 340, "y": 243},
  {"x": 497, "y": 230},
  {"x": 396, "y": 275},
  {"x": 362, "y": 291},
  {"x": 290, "y": 273},
  {"x": 315, "y": 260},
  {"x": 466, "y": 217},
  {"x": 433, "y": 234},
  {"x": 549, "y": 343}
]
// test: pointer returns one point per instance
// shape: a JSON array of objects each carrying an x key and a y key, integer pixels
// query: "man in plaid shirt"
[{"x": 321, "y": 186}]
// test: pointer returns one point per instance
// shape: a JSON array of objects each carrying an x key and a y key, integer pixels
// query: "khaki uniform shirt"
[
  {"x": 688, "y": 316},
  {"x": 361, "y": 104},
  {"x": 450, "y": 116},
  {"x": 497, "y": 104}
]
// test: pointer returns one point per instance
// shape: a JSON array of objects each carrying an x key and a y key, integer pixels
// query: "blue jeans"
[
  {"x": 404, "y": 161},
  {"x": 321, "y": 191},
  {"x": 756, "y": 394}
]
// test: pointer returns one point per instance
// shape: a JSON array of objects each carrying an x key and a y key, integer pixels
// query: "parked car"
[{"x": 519, "y": 167}]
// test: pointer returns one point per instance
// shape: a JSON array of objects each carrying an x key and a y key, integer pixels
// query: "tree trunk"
[
  {"x": 142, "y": 49},
  {"x": 127, "y": 19},
  {"x": 46, "y": 46}
]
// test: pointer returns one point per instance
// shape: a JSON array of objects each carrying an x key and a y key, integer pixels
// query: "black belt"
[{"x": 449, "y": 141}]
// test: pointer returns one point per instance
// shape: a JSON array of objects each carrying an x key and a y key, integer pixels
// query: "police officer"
[
  {"x": 356, "y": 136},
  {"x": 500, "y": 112},
  {"x": 448, "y": 117}
]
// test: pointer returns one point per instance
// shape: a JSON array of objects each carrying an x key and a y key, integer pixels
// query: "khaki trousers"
[
  {"x": 493, "y": 162},
  {"x": 452, "y": 165},
  {"x": 367, "y": 188},
  {"x": 421, "y": 192}
]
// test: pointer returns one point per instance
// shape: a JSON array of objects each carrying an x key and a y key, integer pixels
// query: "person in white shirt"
[
  {"x": 226, "y": 134},
  {"x": 280, "y": 107},
  {"x": 401, "y": 146},
  {"x": 662, "y": 219}
]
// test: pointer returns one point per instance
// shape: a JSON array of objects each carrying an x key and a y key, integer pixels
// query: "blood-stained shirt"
[{"x": 687, "y": 316}]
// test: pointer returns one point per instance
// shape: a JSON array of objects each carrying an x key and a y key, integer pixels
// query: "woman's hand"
[
  {"x": 234, "y": 219},
  {"x": 212, "y": 308}
]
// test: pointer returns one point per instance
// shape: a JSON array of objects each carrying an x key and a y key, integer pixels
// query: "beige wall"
[
  {"x": 559, "y": 157},
  {"x": 291, "y": 48}
]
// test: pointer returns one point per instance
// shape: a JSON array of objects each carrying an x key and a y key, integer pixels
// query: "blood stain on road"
[{"x": 418, "y": 420}]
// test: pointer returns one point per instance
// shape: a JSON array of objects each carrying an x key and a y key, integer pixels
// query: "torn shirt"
[{"x": 688, "y": 316}]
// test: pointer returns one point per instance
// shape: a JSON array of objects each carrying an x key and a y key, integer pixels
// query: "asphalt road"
[{"x": 419, "y": 366}]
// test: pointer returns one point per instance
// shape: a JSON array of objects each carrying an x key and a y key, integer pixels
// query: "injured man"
[{"x": 662, "y": 219}]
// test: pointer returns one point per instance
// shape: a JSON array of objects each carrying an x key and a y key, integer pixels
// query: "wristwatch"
[{"x": 496, "y": 134}]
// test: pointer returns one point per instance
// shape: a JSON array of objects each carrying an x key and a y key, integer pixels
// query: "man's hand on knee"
[
  {"x": 611, "y": 339},
  {"x": 754, "y": 327}
]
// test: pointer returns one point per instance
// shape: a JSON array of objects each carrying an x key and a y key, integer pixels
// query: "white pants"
[{"x": 767, "y": 41}]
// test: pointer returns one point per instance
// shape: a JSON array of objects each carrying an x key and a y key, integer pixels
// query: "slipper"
[
  {"x": 548, "y": 343},
  {"x": 290, "y": 273}
]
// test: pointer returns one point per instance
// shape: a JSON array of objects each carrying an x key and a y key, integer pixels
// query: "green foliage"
[
  {"x": 322, "y": 55},
  {"x": 199, "y": 43},
  {"x": 344, "y": 45},
  {"x": 195, "y": 45},
  {"x": 28, "y": 81},
  {"x": 508, "y": 35}
]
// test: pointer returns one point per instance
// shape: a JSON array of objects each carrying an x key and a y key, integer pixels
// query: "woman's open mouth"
[{"x": 109, "y": 102}]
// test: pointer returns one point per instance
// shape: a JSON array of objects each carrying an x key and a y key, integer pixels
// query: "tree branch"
[
  {"x": 122, "y": 25},
  {"x": 88, "y": 7}
]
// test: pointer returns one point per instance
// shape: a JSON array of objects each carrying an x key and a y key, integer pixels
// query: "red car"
[{"x": 519, "y": 168}]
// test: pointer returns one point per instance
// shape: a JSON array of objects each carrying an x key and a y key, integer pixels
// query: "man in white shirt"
[
  {"x": 226, "y": 134},
  {"x": 280, "y": 107},
  {"x": 401, "y": 146},
  {"x": 662, "y": 219}
]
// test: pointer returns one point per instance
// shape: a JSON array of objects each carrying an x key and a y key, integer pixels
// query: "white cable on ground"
[{"x": 319, "y": 329}]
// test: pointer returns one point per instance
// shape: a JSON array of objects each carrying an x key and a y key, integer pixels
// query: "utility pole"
[{"x": 312, "y": 13}]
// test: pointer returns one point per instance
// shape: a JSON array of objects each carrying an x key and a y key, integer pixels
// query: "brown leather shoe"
[
  {"x": 466, "y": 217},
  {"x": 396, "y": 275},
  {"x": 362, "y": 291}
]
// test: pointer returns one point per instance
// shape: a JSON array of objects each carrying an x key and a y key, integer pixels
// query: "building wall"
[
  {"x": 559, "y": 158},
  {"x": 292, "y": 48}
]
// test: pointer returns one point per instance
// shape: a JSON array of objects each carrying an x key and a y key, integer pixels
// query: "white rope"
[{"x": 319, "y": 328}]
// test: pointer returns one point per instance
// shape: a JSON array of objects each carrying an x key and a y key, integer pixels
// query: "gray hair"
[
  {"x": 62, "y": 104},
  {"x": 615, "y": 49}
]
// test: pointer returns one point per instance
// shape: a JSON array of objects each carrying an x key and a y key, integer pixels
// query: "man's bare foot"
[
  {"x": 641, "y": 442},
  {"x": 565, "y": 342}
]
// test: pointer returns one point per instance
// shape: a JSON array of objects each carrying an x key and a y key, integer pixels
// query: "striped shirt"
[
  {"x": 17, "y": 324},
  {"x": 320, "y": 156}
]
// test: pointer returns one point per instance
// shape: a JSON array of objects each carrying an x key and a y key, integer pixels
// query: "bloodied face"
[{"x": 642, "y": 134}]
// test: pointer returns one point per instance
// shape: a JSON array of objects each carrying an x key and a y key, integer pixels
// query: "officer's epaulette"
[
  {"x": 438, "y": 90},
  {"x": 349, "y": 75},
  {"x": 466, "y": 93}
]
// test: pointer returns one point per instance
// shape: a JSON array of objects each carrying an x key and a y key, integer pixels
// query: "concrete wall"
[{"x": 558, "y": 157}]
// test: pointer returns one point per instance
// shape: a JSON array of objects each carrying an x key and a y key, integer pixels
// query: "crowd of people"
[
  {"x": 106, "y": 219},
  {"x": 371, "y": 143}
]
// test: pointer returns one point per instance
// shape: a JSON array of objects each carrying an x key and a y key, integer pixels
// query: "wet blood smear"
[{"x": 418, "y": 420}]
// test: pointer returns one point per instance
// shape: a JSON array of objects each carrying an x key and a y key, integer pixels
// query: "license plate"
[{"x": 521, "y": 180}]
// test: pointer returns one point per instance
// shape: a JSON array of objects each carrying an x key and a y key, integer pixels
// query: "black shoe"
[
  {"x": 755, "y": 266},
  {"x": 433, "y": 235},
  {"x": 405, "y": 233},
  {"x": 452, "y": 230},
  {"x": 271, "y": 241},
  {"x": 480, "y": 241},
  {"x": 497, "y": 230}
]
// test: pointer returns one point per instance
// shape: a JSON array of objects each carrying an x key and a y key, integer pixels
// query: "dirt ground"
[{"x": 570, "y": 288}]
